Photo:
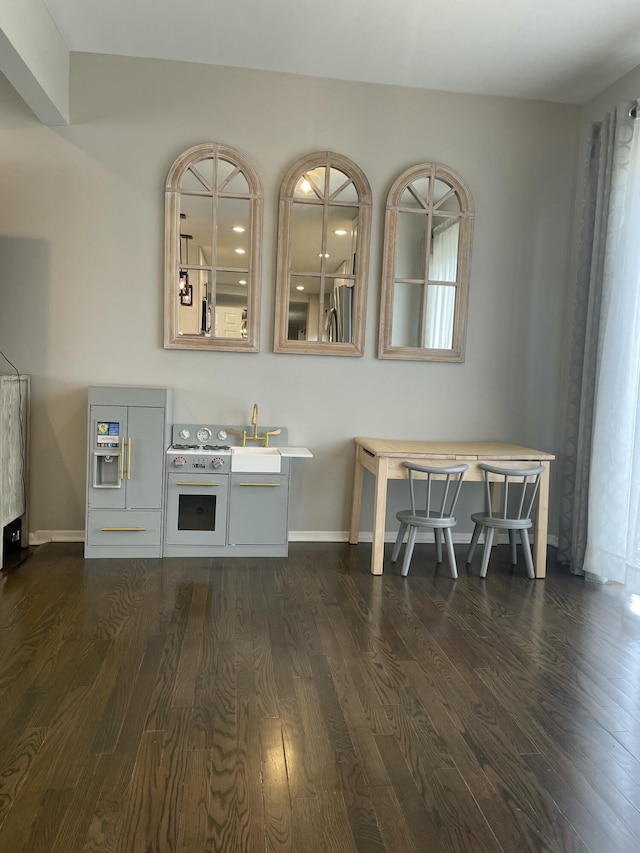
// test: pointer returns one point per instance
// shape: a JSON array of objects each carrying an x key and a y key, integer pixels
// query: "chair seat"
[
  {"x": 501, "y": 523},
  {"x": 424, "y": 519}
]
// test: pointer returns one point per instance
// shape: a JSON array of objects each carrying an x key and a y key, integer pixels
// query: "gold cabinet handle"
[
  {"x": 196, "y": 484},
  {"x": 121, "y": 471},
  {"x": 259, "y": 484},
  {"x": 109, "y": 529},
  {"x": 128, "y": 459}
]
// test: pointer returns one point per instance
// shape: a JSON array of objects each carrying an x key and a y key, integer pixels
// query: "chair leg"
[
  {"x": 488, "y": 542},
  {"x": 437, "y": 532},
  {"x": 408, "y": 551},
  {"x": 526, "y": 547},
  {"x": 448, "y": 538},
  {"x": 474, "y": 541},
  {"x": 398, "y": 543},
  {"x": 514, "y": 547}
]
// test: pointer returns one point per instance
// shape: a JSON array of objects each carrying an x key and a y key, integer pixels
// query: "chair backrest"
[
  {"x": 452, "y": 478},
  {"x": 519, "y": 490}
]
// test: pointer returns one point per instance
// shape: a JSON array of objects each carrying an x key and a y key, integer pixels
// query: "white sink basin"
[{"x": 256, "y": 460}]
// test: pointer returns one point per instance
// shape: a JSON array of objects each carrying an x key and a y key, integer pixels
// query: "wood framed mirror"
[
  {"x": 213, "y": 241},
  {"x": 426, "y": 262},
  {"x": 324, "y": 233}
]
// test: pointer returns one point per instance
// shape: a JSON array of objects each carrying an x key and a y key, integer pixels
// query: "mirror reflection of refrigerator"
[{"x": 340, "y": 311}]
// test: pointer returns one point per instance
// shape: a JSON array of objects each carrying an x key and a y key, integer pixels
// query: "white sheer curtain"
[
  {"x": 613, "y": 527},
  {"x": 441, "y": 298}
]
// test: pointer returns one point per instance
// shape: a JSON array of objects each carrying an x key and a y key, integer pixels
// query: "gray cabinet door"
[
  {"x": 144, "y": 463},
  {"x": 197, "y": 509},
  {"x": 258, "y": 509},
  {"x": 124, "y": 528}
]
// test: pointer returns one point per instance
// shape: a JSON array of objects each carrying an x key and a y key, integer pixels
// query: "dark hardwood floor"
[{"x": 301, "y": 704}]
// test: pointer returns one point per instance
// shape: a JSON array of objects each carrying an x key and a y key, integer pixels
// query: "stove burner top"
[{"x": 203, "y": 447}]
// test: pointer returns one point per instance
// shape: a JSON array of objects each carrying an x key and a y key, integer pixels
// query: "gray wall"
[
  {"x": 81, "y": 246},
  {"x": 626, "y": 88}
]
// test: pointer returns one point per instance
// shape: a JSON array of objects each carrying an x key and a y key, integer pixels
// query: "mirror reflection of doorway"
[{"x": 231, "y": 321}]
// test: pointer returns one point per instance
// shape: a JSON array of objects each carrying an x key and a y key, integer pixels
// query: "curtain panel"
[{"x": 598, "y": 521}]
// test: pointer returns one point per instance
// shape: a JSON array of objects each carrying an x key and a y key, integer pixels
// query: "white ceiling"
[{"x": 557, "y": 50}]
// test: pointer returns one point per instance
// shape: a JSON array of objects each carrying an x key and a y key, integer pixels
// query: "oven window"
[{"x": 197, "y": 512}]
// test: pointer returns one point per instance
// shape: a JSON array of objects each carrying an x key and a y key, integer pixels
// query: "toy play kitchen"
[{"x": 224, "y": 491}]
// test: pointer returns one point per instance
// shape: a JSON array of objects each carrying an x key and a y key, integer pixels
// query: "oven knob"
[
  {"x": 217, "y": 462},
  {"x": 179, "y": 462}
]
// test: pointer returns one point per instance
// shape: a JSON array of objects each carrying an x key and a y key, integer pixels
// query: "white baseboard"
[
  {"x": 389, "y": 536},
  {"x": 41, "y": 537},
  {"x": 319, "y": 536}
]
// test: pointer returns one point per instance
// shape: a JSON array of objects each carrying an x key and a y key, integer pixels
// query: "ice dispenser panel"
[{"x": 107, "y": 470}]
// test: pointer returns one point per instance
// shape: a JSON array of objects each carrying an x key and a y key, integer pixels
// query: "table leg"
[
  {"x": 541, "y": 524},
  {"x": 356, "y": 501},
  {"x": 379, "y": 515}
]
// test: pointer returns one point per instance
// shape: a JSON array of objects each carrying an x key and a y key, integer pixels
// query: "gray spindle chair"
[
  {"x": 438, "y": 514},
  {"x": 519, "y": 488}
]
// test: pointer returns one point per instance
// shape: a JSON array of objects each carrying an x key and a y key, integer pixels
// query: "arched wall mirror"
[
  {"x": 425, "y": 275},
  {"x": 324, "y": 232},
  {"x": 213, "y": 232}
]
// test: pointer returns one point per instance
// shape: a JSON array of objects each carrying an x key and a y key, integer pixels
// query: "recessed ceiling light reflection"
[
  {"x": 324, "y": 255},
  {"x": 239, "y": 229},
  {"x": 299, "y": 286},
  {"x": 340, "y": 232},
  {"x": 242, "y": 281},
  {"x": 240, "y": 252},
  {"x": 305, "y": 186}
]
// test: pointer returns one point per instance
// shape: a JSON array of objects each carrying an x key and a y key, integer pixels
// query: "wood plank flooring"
[{"x": 300, "y": 704}]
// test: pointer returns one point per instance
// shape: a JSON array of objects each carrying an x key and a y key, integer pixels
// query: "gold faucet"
[{"x": 255, "y": 436}]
